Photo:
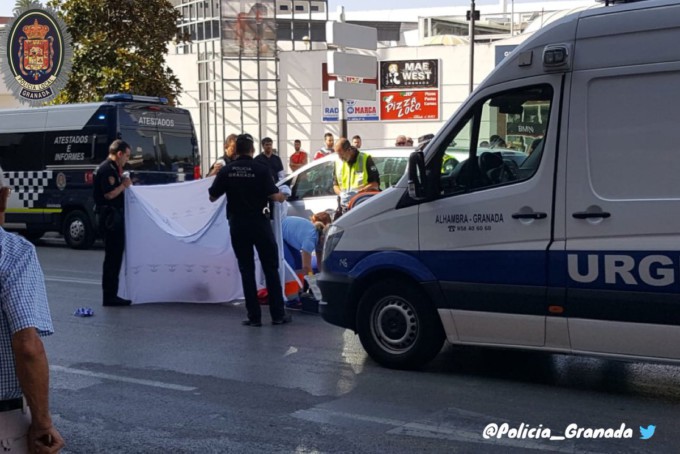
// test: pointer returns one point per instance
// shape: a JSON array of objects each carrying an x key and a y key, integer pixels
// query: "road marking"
[
  {"x": 448, "y": 431},
  {"x": 323, "y": 415},
  {"x": 73, "y": 281},
  {"x": 137, "y": 381}
]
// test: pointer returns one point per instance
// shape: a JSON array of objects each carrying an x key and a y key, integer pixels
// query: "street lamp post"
[{"x": 472, "y": 43}]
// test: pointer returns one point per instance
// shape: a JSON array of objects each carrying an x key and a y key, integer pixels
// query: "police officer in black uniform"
[
  {"x": 249, "y": 187},
  {"x": 109, "y": 197}
]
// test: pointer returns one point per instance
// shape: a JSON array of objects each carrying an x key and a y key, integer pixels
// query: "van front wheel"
[
  {"x": 398, "y": 325},
  {"x": 78, "y": 230}
]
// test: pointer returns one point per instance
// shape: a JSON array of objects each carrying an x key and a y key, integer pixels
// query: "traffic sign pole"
[
  {"x": 342, "y": 117},
  {"x": 342, "y": 35}
]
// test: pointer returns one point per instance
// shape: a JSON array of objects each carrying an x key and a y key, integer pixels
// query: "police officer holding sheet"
[
  {"x": 110, "y": 183},
  {"x": 249, "y": 187}
]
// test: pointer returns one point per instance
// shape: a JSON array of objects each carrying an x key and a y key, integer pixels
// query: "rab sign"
[
  {"x": 36, "y": 55},
  {"x": 409, "y": 105}
]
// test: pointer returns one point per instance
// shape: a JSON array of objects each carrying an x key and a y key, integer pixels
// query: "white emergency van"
[{"x": 576, "y": 249}]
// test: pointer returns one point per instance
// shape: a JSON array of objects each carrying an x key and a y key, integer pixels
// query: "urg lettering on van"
[{"x": 656, "y": 270}]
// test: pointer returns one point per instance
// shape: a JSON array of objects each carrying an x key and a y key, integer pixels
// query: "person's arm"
[
  {"x": 112, "y": 191},
  {"x": 273, "y": 191},
  {"x": 373, "y": 179},
  {"x": 33, "y": 375},
  {"x": 278, "y": 197},
  {"x": 24, "y": 299},
  {"x": 373, "y": 186},
  {"x": 306, "y": 262},
  {"x": 278, "y": 167},
  {"x": 216, "y": 168},
  {"x": 336, "y": 184},
  {"x": 218, "y": 187}
]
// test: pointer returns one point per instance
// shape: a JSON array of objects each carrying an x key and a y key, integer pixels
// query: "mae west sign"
[
  {"x": 415, "y": 74},
  {"x": 409, "y": 90},
  {"x": 35, "y": 48}
]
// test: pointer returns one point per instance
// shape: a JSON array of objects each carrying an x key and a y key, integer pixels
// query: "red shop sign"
[{"x": 409, "y": 105}]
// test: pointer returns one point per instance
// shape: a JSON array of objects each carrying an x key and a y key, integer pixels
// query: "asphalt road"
[{"x": 187, "y": 378}]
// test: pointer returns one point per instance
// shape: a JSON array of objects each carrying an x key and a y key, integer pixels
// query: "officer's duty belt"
[{"x": 11, "y": 404}]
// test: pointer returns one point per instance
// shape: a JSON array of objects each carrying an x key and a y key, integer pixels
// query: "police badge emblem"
[{"x": 36, "y": 54}]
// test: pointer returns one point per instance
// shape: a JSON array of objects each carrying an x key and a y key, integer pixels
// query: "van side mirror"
[{"x": 416, "y": 176}]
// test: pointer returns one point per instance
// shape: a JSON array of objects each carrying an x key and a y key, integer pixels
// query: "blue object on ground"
[{"x": 83, "y": 312}]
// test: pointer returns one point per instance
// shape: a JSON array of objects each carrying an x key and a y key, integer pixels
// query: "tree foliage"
[
  {"x": 119, "y": 46},
  {"x": 21, "y": 4}
]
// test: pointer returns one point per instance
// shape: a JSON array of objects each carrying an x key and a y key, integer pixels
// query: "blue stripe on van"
[
  {"x": 641, "y": 271},
  {"x": 498, "y": 267},
  {"x": 638, "y": 287}
]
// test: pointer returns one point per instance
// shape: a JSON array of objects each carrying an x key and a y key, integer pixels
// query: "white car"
[{"x": 312, "y": 185}]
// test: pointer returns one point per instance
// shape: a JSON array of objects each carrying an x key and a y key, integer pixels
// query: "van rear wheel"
[
  {"x": 78, "y": 230},
  {"x": 398, "y": 326}
]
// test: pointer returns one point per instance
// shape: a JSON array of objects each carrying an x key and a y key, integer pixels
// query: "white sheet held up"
[{"x": 178, "y": 247}]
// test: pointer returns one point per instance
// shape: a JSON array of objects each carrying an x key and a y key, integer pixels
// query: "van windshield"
[{"x": 161, "y": 138}]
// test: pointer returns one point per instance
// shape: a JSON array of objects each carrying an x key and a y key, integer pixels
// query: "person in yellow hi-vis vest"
[{"x": 355, "y": 172}]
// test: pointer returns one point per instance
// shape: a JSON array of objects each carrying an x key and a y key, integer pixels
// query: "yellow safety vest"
[
  {"x": 450, "y": 166},
  {"x": 351, "y": 177}
]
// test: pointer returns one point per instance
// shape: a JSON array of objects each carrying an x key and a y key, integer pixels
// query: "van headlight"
[{"x": 332, "y": 239}]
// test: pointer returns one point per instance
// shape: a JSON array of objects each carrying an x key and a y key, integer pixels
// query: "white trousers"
[{"x": 13, "y": 431}]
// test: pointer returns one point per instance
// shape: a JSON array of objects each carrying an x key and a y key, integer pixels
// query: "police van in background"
[
  {"x": 576, "y": 249},
  {"x": 49, "y": 155}
]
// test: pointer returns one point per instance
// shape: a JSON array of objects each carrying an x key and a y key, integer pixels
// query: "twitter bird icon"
[{"x": 647, "y": 432}]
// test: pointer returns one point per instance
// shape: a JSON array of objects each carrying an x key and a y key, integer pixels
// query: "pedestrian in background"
[
  {"x": 228, "y": 156},
  {"x": 249, "y": 188},
  {"x": 328, "y": 141},
  {"x": 269, "y": 159},
  {"x": 356, "y": 142},
  {"x": 25, "y": 420},
  {"x": 109, "y": 186},
  {"x": 298, "y": 158}
]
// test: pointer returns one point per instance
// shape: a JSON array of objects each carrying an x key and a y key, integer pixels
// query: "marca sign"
[{"x": 36, "y": 55}]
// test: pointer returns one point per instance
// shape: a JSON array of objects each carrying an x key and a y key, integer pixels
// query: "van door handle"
[
  {"x": 590, "y": 214},
  {"x": 536, "y": 215}
]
